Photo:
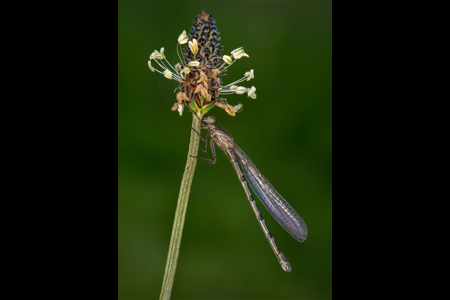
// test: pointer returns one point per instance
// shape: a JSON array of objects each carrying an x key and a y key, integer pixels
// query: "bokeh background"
[{"x": 286, "y": 132}]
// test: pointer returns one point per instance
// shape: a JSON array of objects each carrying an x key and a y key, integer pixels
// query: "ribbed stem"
[{"x": 180, "y": 213}]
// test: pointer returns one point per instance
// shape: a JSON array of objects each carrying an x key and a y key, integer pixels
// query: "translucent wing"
[{"x": 279, "y": 208}]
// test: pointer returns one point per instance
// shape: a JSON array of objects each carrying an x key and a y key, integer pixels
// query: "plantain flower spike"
[{"x": 201, "y": 67}]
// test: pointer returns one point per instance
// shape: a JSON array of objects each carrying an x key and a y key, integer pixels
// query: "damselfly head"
[{"x": 209, "y": 120}]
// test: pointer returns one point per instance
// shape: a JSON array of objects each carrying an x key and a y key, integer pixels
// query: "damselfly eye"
[{"x": 210, "y": 120}]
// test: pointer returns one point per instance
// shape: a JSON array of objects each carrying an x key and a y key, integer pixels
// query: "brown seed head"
[{"x": 204, "y": 79}]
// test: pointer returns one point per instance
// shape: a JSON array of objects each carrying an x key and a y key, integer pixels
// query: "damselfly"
[{"x": 285, "y": 215}]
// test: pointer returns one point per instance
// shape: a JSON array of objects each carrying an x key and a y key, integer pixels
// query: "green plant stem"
[{"x": 180, "y": 213}]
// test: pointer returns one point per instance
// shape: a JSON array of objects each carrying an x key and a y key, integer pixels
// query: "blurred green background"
[{"x": 286, "y": 132}]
